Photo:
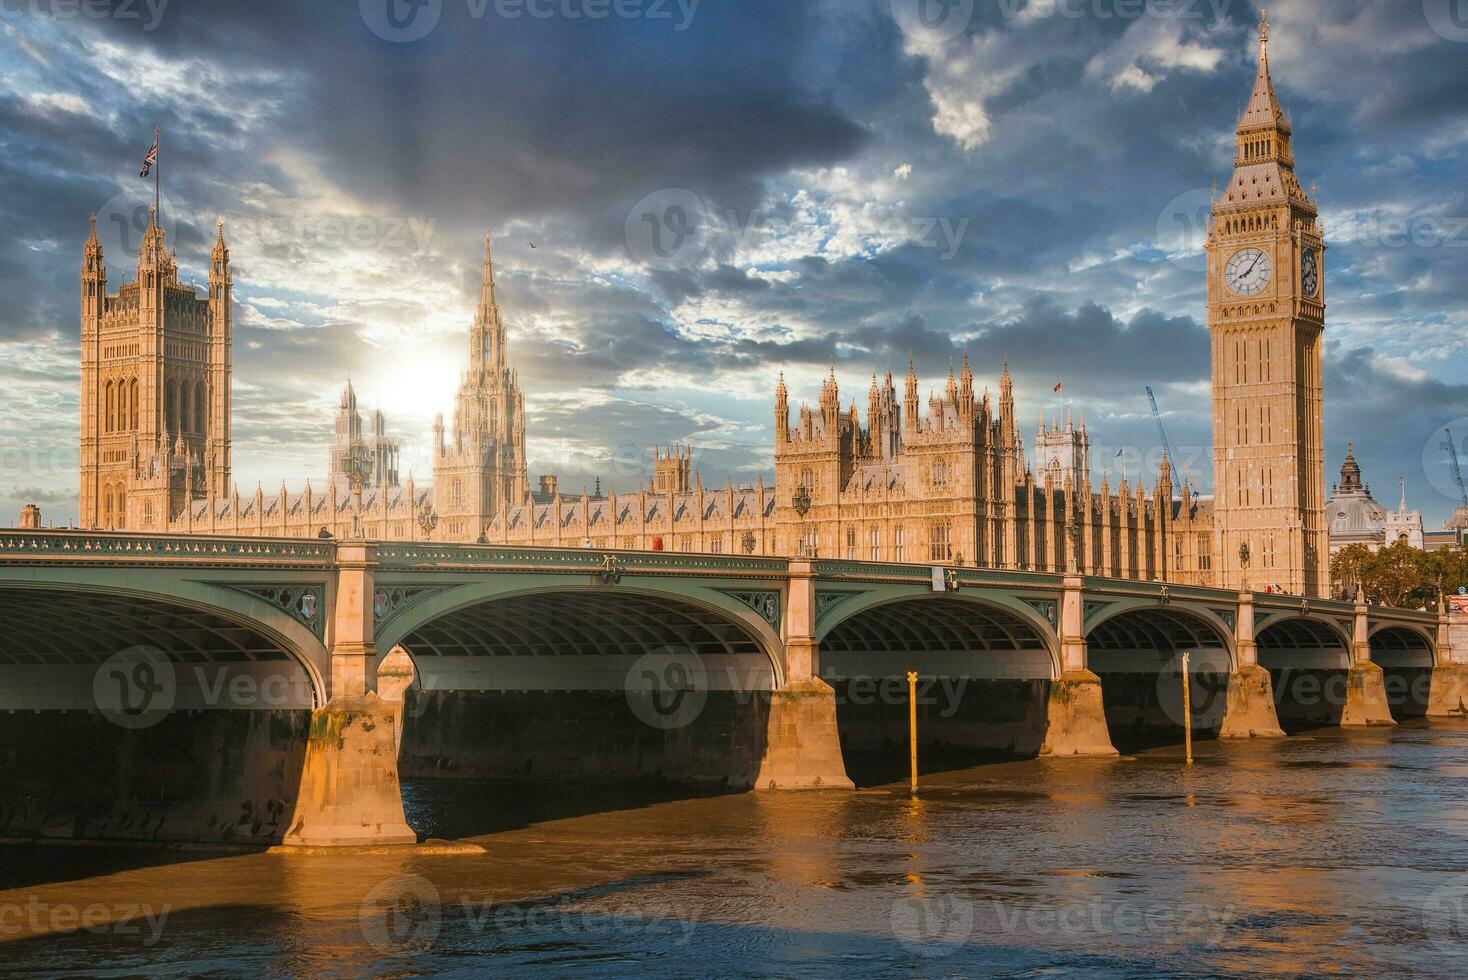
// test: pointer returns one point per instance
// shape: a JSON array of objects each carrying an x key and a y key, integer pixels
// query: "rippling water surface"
[{"x": 1327, "y": 853}]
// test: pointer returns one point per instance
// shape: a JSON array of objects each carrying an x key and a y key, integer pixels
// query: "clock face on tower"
[
  {"x": 1309, "y": 272},
  {"x": 1247, "y": 273}
]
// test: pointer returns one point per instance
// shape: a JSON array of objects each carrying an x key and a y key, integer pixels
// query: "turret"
[
  {"x": 1009, "y": 432},
  {"x": 910, "y": 399},
  {"x": 966, "y": 392},
  {"x": 221, "y": 328},
  {"x": 782, "y": 412}
]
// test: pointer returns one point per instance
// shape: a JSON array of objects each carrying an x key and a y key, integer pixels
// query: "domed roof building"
[{"x": 1356, "y": 518}]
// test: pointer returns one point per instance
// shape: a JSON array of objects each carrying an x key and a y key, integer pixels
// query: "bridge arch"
[
  {"x": 560, "y": 678},
  {"x": 1399, "y": 644},
  {"x": 1142, "y": 636},
  {"x": 985, "y": 660},
  {"x": 1008, "y": 611},
  {"x": 903, "y": 623},
  {"x": 504, "y": 616},
  {"x": 1295, "y": 641},
  {"x": 77, "y": 620},
  {"x": 1136, "y": 647}
]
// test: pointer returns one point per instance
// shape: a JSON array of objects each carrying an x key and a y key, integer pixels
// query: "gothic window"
[
  {"x": 106, "y": 506},
  {"x": 170, "y": 407},
  {"x": 807, "y": 478},
  {"x": 119, "y": 515},
  {"x": 851, "y": 544},
  {"x": 940, "y": 545},
  {"x": 201, "y": 412},
  {"x": 716, "y": 545},
  {"x": 132, "y": 404},
  {"x": 876, "y": 546},
  {"x": 456, "y": 492},
  {"x": 109, "y": 408},
  {"x": 897, "y": 549}
]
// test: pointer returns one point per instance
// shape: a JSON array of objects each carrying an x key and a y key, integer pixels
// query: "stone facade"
[
  {"x": 945, "y": 483},
  {"x": 155, "y": 387}
]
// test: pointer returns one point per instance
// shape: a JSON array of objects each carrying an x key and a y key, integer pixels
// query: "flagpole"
[{"x": 157, "y": 178}]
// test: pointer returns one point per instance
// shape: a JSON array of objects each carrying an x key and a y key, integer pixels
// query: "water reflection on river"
[{"x": 1324, "y": 853}]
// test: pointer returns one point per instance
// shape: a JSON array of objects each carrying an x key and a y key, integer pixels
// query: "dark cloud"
[{"x": 812, "y": 133}]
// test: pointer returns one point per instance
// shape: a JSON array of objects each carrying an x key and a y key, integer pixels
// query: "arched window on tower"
[
  {"x": 106, "y": 506},
  {"x": 201, "y": 409},
  {"x": 132, "y": 404},
  {"x": 170, "y": 407},
  {"x": 109, "y": 407}
]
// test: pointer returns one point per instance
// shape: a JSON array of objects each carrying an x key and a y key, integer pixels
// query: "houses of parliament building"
[{"x": 945, "y": 482}]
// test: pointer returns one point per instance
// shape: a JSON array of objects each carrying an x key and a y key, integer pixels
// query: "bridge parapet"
[
  {"x": 488, "y": 557},
  {"x": 74, "y": 546}
]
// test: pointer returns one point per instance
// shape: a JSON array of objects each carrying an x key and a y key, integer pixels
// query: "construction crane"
[
  {"x": 1157, "y": 417},
  {"x": 1162, "y": 434},
  {"x": 1457, "y": 470}
]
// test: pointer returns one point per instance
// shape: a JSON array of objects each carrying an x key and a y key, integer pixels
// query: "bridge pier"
[
  {"x": 802, "y": 743},
  {"x": 1448, "y": 696},
  {"x": 1250, "y": 710},
  {"x": 1366, "y": 701},
  {"x": 1075, "y": 712},
  {"x": 349, "y": 791}
]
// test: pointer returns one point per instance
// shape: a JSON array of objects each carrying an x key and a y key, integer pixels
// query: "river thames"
[{"x": 1330, "y": 852}]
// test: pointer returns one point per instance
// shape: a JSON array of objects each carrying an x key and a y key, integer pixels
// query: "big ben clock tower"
[{"x": 1266, "y": 316}]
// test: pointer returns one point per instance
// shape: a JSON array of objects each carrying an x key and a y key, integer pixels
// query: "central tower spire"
[{"x": 487, "y": 337}]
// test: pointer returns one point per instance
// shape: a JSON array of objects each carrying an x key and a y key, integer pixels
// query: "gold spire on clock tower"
[{"x": 1266, "y": 315}]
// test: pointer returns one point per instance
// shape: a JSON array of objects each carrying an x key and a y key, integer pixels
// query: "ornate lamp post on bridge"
[
  {"x": 800, "y": 500},
  {"x": 427, "y": 520},
  {"x": 358, "y": 467}
]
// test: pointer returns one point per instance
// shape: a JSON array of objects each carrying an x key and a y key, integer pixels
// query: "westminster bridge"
[{"x": 268, "y": 690}]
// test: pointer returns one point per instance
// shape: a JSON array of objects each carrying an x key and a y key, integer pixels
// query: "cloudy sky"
[{"x": 721, "y": 190}]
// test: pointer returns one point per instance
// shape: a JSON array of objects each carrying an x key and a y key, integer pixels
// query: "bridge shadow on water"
[
  {"x": 455, "y": 809},
  {"x": 28, "y": 864}
]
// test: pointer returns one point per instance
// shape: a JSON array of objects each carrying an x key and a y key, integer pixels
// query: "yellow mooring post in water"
[
  {"x": 912, "y": 723},
  {"x": 1187, "y": 711}
]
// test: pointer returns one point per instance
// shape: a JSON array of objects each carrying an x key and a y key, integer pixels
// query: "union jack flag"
[
  {"x": 150, "y": 159},
  {"x": 1058, "y": 385}
]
